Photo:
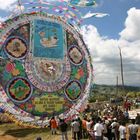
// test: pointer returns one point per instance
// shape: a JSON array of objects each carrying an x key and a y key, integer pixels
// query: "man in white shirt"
[
  {"x": 114, "y": 129},
  {"x": 122, "y": 130},
  {"x": 89, "y": 124},
  {"x": 76, "y": 129},
  {"x": 98, "y": 128},
  {"x": 133, "y": 130}
]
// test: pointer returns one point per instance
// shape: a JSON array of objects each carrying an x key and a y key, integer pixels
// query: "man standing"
[
  {"x": 138, "y": 119},
  {"x": 122, "y": 130},
  {"x": 84, "y": 127},
  {"x": 114, "y": 129},
  {"x": 98, "y": 128},
  {"x": 76, "y": 129},
  {"x": 53, "y": 125},
  {"x": 133, "y": 130},
  {"x": 63, "y": 127}
]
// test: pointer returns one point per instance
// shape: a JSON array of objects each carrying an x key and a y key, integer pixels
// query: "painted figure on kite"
[{"x": 49, "y": 42}]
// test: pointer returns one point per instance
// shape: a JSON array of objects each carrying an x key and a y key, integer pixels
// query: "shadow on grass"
[{"x": 23, "y": 132}]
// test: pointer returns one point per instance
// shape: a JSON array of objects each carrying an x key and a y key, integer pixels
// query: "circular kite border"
[{"x": 35, "y": 121}]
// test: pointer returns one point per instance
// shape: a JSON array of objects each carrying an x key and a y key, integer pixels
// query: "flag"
[
  {"x": 97, "y": 15},
  {"x": 82, "y": 3}
]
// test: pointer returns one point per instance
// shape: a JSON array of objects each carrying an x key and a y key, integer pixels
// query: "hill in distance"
[{"x": 106, "y": 92}]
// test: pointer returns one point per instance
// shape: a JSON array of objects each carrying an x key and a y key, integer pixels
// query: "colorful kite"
[
  {"x": 45, "y": 66},
  {"x": 69, "y": 12},
  {"x": 45, "y": 69},
  {"x": 97, "y": 15},
  {"x": 82, "y": 3}
]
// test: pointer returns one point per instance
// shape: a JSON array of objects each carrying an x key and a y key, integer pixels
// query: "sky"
[{"x": 104, "y": 36}]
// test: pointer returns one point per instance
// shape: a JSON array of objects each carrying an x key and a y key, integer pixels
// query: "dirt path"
[{"x": 8, "y": 137}]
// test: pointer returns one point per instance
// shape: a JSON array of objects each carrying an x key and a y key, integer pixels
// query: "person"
[
  {"x": 108, "y": 122},
  {"x": 76, "y": 129},
  {"x": 88, "y": 125},
  {"x": 98, "y": 129},
  {"x": 114, "y": 129},
  {"x": 38, "y": 138},
  {"x": 63, "y": 128},
  {"x": 129, "y": 105},
  {"x": 1, "y": 115},
  {"x": 80, "y": 122},
  {"x": 105, "y": 123},
  {"x": 126, "y": 115},
  {"x": 84, "y": 127},
  {"x": 138, "y": 119},
  {"x": 53, "y": 125},
  {"x": 122, "y": 130},
  {"x": 72, "y": 132},
  {"x": 126, "y": 105},
  {"x": 133, "y": 130}
]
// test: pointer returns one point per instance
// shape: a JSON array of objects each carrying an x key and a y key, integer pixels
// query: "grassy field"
[
  {"x": 9, "y": 131},
  {"x": 27, "y": 133}
]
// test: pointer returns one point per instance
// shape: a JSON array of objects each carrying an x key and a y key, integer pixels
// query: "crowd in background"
[{"x": 107, "y": 124}]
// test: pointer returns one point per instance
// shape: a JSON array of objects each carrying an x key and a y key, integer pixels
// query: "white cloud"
[
  {"x": 100, "y": 46},
  {"x": 10, "y": 6},
  {"x": 98, "y": 15},
  {"x": 132, "y": 28},
  {"x": 7, "y": 4},
  {"x": 105, "y": 52},
  {"x": 2, "y": 19}
]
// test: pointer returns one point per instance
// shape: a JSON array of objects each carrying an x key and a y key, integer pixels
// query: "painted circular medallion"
[
  {"x": 73, "y": 90},
  {"x": 16, "y": 47},
  {"x": 19, "y": 89},
  {"x": 75, "y": 54}
]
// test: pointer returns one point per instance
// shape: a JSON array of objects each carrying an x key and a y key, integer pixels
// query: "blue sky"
[
  {"x": 104, "y": 35},
  {"x": 117, "y": 9}
]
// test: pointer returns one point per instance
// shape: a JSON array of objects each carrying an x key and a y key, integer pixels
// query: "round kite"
[{"x": 45, "y": 69}]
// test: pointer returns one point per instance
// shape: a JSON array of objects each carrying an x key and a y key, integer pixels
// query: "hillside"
[{"x": 106, "y": 92}]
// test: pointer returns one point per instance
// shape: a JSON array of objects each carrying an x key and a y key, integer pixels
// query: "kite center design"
[{"x": 48, "y": 67}]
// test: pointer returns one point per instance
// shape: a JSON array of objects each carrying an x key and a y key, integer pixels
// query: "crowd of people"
[{"x": 108, "y": 124}]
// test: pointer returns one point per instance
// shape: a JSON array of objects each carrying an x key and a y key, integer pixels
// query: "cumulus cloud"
[
  {"x": 105, "y": 52},
  {"x": 132, "y": 29},
  {"x": 10, "y": 6},
  {"x": 2, "y": 19},
  {"x": 7, "y": 4}
]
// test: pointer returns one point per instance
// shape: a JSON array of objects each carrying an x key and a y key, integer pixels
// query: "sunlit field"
[{"x": 9, "y": 131}]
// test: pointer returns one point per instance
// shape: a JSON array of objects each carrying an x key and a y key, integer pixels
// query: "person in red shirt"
[
  {"x": 84, "y": 127},
  {"x": 126, "y": 105},
  {"x": 53, "y": 125}
]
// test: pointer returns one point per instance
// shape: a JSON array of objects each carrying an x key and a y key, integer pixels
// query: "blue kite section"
[{"x": 48, "y": 40}]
